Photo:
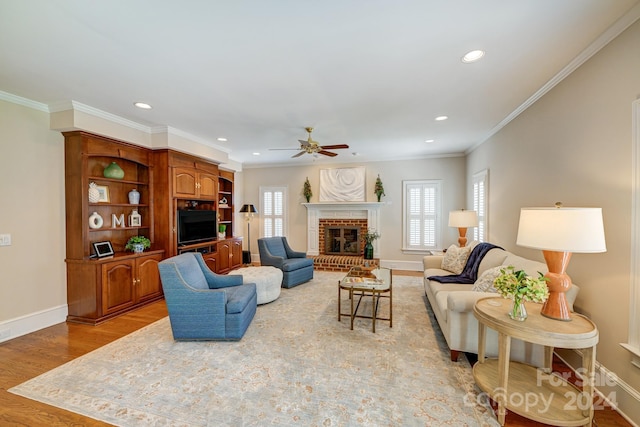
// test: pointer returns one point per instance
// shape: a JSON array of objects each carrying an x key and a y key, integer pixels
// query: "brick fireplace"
[{"x": 361, "y": 215}]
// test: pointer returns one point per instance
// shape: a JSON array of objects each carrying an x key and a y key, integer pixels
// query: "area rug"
[{"x": 296, "y": 365}]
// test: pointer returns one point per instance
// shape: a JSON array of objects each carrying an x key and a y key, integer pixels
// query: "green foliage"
[
  {"x": 306, "y": 190},
  {"x": 371, "y": 235},
  {"x": 146, "y": 243},
  {"x": 379, "y": 188},
  {"x": 520, "y": 286}
]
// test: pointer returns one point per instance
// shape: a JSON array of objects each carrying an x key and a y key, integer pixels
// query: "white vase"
[
  {"x": 94, "y": 194},
  {"x": 95, "y": 220},
  {"x": 134, "y": 197}
]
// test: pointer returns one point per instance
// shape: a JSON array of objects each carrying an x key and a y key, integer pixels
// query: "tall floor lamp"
[
  {"x": 558, "y": 232},
  {"x": 462, "y": 220},
  {"x": 249, "y": 211}
]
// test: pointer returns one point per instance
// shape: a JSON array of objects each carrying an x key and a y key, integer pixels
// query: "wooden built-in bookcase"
[{"x": 99, "y": 289}]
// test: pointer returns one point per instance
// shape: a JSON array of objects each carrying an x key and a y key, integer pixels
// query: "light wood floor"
[{"x": 28, "y": 356}]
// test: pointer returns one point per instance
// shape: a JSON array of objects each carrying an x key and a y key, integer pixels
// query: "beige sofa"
[{"x": 452, "y": 304}]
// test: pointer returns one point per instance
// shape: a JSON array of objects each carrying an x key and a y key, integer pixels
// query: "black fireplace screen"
[{"x": 343, "y": 240}]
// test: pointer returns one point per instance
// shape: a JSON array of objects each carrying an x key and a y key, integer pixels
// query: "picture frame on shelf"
[
  {"x": 103, "y": 191},
  {"x": 103, "y": 249}
]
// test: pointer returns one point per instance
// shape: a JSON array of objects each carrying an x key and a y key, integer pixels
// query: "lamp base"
[
  {"x": 462, "y": 240},
  {"x": 558, "y": 282}
]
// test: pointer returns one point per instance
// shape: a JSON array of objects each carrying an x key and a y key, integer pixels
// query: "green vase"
[
  {"x": 113, "y": 171},
  {"x": 368, "y": 251}
]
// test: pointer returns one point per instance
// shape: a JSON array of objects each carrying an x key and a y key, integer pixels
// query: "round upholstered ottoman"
[{"x": 267, "y": 279}]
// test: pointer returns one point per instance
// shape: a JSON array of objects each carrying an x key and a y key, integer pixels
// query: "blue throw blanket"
[{"x": 470, "y": 273}]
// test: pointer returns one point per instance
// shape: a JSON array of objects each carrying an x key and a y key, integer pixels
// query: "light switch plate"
[{"x": 5, "y": 239}]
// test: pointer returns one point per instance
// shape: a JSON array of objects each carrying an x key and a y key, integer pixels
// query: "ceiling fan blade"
[
  {"x": 334, "y": 147},
  {"x": 276, "y": 149},
  {"x": 298, "y": 155},
  {"x": 327, "y": 153},
  {"x": 304, "y": 143}
]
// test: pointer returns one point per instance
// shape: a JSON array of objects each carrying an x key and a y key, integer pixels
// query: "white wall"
[
  {"x": 32, "y": 279},
  {"x": 574, "y": 146},
  {"x": 451, "y": 170}
]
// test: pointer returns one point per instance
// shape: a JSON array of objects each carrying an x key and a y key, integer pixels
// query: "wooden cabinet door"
[
  {"x": 148, "y": 283},
  {"x": 118, "y": 285},
  {"x": 236, "y": 253},
  {"x": 184, "y": 183},
  {"x": 224, "y": 256},
  {"x": 211, "y": 259},
  {"x": 207, "y": 186}
]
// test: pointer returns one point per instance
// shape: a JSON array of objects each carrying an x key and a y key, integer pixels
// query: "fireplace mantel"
[{"x": 356, "y": 210}]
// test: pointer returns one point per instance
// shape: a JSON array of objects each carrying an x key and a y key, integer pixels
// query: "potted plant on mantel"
[
  {"x": 306, "y": 190},
  {"x": 379, "y": 188},
  {"x": 138, "y": 244}
]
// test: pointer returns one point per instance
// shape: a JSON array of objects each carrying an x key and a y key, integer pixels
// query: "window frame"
[
  {"x": 423, "y": 183},
  {"x": 285, "y": 210},
  {"x": 481, "y": 206}
]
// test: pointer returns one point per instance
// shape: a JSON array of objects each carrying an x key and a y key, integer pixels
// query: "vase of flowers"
[
  {"x": 369, "y": 237},
  {"x": 379, "y": 188},
  {"x": 521, "y": 287},
  {"x": 306, "y": 190}
]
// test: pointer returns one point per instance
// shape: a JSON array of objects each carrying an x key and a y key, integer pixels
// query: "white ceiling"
[{"x": 369, "y": 73}]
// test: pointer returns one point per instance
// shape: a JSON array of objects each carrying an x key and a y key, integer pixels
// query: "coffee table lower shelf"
[{"x": 541, "y": 397}]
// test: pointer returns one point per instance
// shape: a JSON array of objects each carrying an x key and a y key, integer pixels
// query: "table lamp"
[
  {"x": 462, "y": 220},
  {"x": 249, "y": 211},
  {"x": 558, "y": 232}
]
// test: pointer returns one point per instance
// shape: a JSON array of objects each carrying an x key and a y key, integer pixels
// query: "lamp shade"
[
  {"x": 463, "y": 219},
  {"x": 562, "y": 229},
  {"x": 248, "y": 209}
]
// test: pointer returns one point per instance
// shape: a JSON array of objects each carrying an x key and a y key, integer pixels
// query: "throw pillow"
[
  {"x": 455, "y": 259},
  {"x": 485, "y": 281}
]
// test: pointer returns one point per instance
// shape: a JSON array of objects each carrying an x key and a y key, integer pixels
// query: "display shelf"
[{"x": 552, "y": 400}]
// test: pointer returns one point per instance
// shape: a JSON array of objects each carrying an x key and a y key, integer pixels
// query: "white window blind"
[
  {"x": 422, "y": 215},
  {"x": 480, "y": 189},
  {"x": 273, "y": 211}
]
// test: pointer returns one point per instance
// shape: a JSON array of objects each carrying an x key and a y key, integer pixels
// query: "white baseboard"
[
  {"x": 32, "y": 322},
  {"x": 617, "y": 393},
  {"x": 402, "y": 265}
]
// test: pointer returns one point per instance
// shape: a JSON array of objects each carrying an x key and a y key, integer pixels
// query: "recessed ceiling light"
[
  {"x": 256, "y": 154},
  {"x": 441, "y": 118},
  {"x": 429, "y": 140},
  {"x": 473, "y": 56},
  {"x": 143, "y": 105},
  {"x": 222, "y": 139}
]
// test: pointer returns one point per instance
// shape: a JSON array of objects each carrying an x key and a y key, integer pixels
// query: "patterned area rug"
[{"x": 296, "y": 365}]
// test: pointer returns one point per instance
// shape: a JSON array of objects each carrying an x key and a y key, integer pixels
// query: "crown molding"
[
  {"x": 609, "y": 34},
  {"x": 83, "y": 108},
  {"x": 15, "y": 99}
]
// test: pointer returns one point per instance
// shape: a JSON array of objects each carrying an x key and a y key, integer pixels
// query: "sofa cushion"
[
  {"x": 485, "y": 281},
  {"x": 493, "y": 258},
  {"x": 532, "y": 268},
  {"x": 456, "y": 258}
]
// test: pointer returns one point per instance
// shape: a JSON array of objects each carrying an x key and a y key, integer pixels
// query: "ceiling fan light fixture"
[{"x": 473, "y": 56}]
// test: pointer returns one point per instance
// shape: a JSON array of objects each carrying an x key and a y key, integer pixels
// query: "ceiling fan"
[{"x": 312, "y": 147}]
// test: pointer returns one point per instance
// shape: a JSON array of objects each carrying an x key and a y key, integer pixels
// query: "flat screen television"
[{"x": 196, "y": 226}]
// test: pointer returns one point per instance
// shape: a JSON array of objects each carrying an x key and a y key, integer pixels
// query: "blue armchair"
[
  {"x": 203, "y": 305},
  {"x": 296, "y": 267}
]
